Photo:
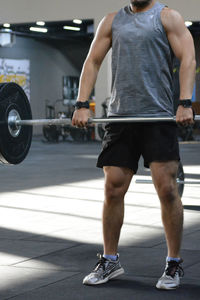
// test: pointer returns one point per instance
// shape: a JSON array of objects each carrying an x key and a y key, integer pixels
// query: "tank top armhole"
[
  {"x": 161, "y": 27},
  {"x": 116, "y": 16}
]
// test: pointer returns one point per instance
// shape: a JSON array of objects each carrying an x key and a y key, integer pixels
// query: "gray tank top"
[{"x": 142, "y": 65}]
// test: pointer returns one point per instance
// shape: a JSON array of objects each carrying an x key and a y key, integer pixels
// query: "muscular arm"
[
  {"x": 98, "y": 50},
  {"x": 182, "y": 45}
]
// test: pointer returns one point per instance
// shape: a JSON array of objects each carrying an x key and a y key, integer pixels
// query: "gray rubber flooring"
[{"x": 50, "y": 228}]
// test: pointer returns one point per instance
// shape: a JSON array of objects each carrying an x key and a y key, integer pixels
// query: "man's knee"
[
  {"x": 167, "y": 191},
  {"x": 164, "y": 177},
  {"x": 114, "y": 191},
  {"x": 117, "y": 181}
]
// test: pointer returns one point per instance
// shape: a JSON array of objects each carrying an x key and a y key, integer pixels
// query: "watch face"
[{"x": 186, "y": 103}]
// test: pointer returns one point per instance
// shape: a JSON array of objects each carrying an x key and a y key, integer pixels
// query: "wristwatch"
[
  {"x": 80, "y": 104},
  {"x": 187, "y": 103}
]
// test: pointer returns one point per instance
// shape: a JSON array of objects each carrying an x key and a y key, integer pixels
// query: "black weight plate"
[
  {"x": 13, "y": 150},
  {"x": 180, "y": 176}
]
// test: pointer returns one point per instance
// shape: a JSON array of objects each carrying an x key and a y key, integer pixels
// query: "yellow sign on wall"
[{"x": 16, "y": 70}]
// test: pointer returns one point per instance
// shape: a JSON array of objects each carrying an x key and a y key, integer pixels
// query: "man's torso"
[{"x": 141, "y": 65}]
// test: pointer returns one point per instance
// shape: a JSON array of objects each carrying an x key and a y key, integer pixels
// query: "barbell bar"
[
  {"x": 149, "y": 181},
  {"x": 16, "y": 123}
]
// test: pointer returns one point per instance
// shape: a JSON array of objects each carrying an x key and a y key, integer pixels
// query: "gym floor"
[{"x": 50, "y": 207}]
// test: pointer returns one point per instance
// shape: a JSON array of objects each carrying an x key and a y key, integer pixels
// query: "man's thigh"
[
  {"x": 162, "y": 171},
  {"x": 117, "y": 178}
]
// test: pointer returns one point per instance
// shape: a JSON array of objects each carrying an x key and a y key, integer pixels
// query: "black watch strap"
[
  {"x": 80, "y": 104},
  {"x": 187, "y": 103}
]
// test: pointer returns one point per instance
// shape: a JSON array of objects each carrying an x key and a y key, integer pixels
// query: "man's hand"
[
  {"x": 184, "y": 116},
  {"x": 80, "y": 117}
]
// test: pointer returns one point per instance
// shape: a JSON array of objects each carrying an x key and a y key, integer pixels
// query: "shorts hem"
[
  {"x": 147, "y": 164},
  {"x": 98, "y": 165}
]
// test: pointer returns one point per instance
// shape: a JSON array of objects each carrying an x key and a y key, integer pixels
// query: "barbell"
[{"x": 16, "y": 125}]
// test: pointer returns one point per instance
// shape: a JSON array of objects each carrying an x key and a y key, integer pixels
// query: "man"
[{"x": 143, "y": 36}]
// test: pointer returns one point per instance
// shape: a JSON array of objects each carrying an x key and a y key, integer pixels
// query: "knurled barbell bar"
[{"x": 16, "y": 125}]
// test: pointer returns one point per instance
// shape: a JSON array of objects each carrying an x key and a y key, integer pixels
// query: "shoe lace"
[
  {"x": 174, "y": 268},
  {"x": 101, "y": 263}
]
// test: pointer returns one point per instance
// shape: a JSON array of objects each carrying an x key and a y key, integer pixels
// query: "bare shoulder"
[
  {"x": 108, "y": 19},
  {"x": 105, "y": 25},
  {"x": 171, "y": 19},
  {"x": 110, "y": 16}
]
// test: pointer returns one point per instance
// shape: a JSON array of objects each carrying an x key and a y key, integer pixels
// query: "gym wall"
[
  {"x": 28, "y": 10},
  {"x": 48, "y": 65}
]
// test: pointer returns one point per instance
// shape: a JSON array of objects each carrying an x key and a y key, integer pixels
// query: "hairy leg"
[
  {"x": 117, "y": 181},
  {"x": 164, "y": 177}
]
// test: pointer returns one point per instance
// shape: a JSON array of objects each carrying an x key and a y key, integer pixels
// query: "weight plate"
[
  {"x": 181, "y": 177},
  {"x": 13, "y": 150}
]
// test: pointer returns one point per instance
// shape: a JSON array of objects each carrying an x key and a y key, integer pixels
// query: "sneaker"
[
  {"x": 170, "y": 279},
  {"x": 105, "y": 270}
]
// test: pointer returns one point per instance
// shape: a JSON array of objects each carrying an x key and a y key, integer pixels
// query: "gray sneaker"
[
  {"x": 170, "y": 279},
  {"x": 105, "y": 270}
]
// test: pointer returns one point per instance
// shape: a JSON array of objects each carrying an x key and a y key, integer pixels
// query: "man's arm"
[
  {"x": 182, "y": 45},
  {"x": 98, "y": 50}
]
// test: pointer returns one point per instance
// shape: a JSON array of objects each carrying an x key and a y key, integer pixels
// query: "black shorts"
[{"x": 124, "y": 143}]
